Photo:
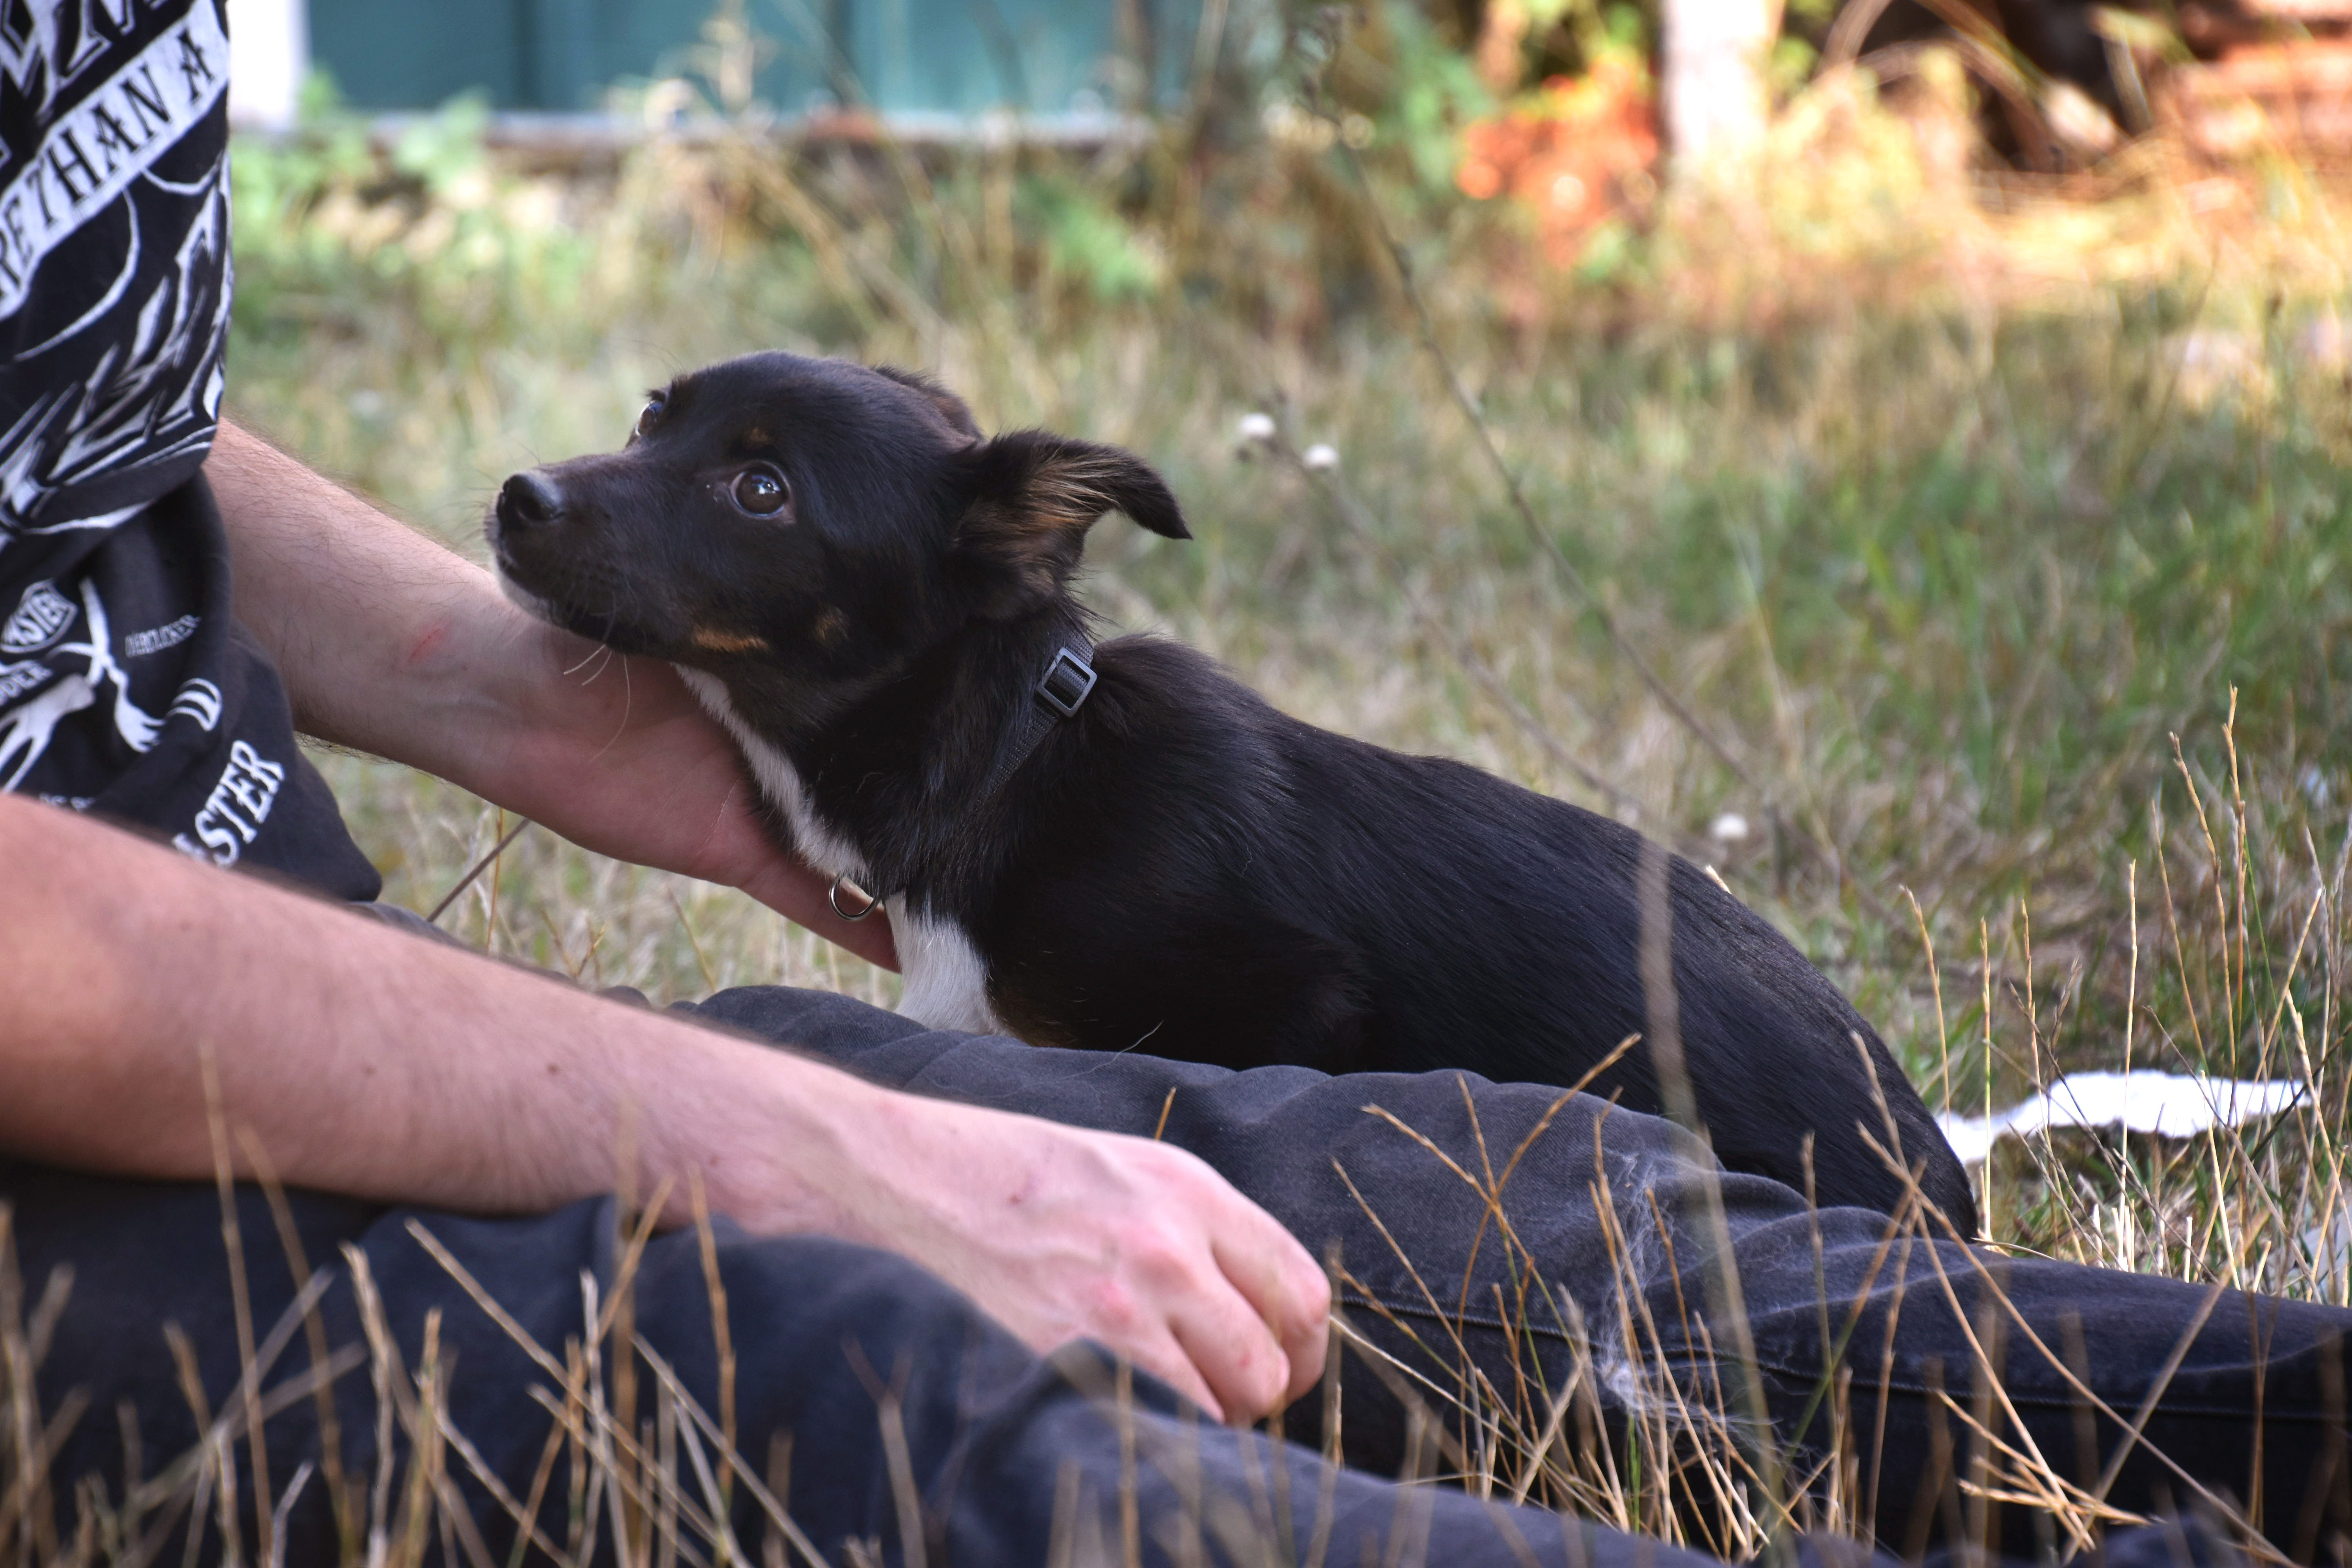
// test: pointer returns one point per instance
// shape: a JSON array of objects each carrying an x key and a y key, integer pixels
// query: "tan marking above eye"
[
  {"x": 755, "y": 437},
  {"x": 717, "y": 641},
  {"x": 830, "y": 627}
]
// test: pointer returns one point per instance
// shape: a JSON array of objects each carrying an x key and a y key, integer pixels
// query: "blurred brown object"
[
  {"x": 1574, "y": 152},
  {"x": 2294, "y": 94},
  {"x": 2335, "y": 11},
  {"x": 1501, "y": 34},
  {"x": 2210, "y": 26}
]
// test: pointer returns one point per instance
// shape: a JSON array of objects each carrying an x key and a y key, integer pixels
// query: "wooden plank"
[
  {"x": 2305, "y": 11},
  {"x": 2276, "y": 70},
  {"x": 2260, "y": 94}
]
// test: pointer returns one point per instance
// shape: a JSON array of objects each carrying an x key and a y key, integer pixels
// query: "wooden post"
[
  {"x": 270, "y": 54},
  {"x": 1712, "y": 79}
]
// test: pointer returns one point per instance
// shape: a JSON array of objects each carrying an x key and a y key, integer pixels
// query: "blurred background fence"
[{"x": 2064, "y": 80}]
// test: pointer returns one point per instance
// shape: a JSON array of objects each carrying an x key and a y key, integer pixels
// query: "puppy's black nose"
[{"x": 529, "y": 500}]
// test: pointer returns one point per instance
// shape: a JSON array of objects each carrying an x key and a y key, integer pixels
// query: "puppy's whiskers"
[
  {"x": 628, "y": 702},
  {"x": 603, "y": 648}
]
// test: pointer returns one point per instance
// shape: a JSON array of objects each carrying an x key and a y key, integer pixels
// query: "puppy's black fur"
[{"x": 867, "y": 591}]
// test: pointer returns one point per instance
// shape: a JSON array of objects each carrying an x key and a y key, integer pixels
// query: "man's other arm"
[{"x": 390, "y": 643}]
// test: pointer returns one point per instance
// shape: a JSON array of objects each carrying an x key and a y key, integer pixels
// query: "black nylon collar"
[{"x": 1057, "y": 695}]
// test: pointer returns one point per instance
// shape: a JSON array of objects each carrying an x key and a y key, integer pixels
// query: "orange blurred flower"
[{"x": 1574, "y": 151}]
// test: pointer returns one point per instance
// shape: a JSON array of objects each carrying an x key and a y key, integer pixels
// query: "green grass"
[
  {"x": 1946, "y": 579},
  {"x": 1948, "y": 557}
]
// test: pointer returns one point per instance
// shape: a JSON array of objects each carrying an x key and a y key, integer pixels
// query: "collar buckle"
[{"x": 1067, "y": 683}]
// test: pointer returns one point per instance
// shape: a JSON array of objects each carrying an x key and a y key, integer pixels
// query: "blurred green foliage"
[{"x": 1085, "y": 239}]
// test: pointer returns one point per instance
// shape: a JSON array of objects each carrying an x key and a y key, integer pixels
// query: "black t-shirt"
[{"x": 126, "y": 688}]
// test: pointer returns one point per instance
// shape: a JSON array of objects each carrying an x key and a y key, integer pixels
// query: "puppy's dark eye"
[
  {"x": 650, "y": 416},
  {"x": 761, "y": 491}
]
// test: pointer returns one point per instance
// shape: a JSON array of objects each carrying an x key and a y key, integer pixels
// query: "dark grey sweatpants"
[{"x": 874, "y": 1406}]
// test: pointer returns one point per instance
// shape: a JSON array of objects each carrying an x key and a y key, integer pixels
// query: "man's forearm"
[
  {"x": 391, "y": 644},
  {"x": 366, "y": 1062},
  {"x": 388, "y": 642}
]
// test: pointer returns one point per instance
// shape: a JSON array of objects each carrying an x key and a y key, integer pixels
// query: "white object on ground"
[
  {"x": 1321, "y": 456},
  {"x": 2167, "y": 1104},
  {"x": 1728, "y": 828},
  {"x": 1255, "y": 428}
]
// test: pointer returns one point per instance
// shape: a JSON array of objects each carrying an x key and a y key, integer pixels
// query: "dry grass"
[{"x": 2240, "y": 936}]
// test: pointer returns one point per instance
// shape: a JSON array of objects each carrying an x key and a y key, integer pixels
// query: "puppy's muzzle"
[{"x": 529, "y": 500}]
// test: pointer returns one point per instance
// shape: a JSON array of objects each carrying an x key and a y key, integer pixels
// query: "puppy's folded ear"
[{"x": 1031, "y": 497}]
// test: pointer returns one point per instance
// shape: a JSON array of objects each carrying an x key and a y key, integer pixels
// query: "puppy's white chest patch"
[
  {"x": 946, "y": 982},
  {"x": 823, "y": 845}
]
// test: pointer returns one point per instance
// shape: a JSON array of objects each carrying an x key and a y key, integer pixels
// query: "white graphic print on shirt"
[
  {"x": 138, "y": 645},
  {"x": 157, "y": 396},
  {"x": 24, "y": 730},
  {"x": 235, "y": 809},
  {"x": 41, "y": 618},
  {"x": 126, "y": 686},
  {"x": 92, "y": 152}
]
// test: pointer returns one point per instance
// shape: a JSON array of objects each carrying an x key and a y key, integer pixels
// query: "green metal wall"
[{"x": 959, "y": 56}]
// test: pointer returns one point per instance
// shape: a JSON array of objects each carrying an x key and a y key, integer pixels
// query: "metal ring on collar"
[{"x": 832, "y": 897}]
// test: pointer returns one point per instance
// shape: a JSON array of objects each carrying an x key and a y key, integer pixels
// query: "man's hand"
[
  {"x": 624, "y": 761},
  {"x": 1065, "y": 1234},
  {"x": 388, "y": 643},
  {"x": 385, "y": 1067}
]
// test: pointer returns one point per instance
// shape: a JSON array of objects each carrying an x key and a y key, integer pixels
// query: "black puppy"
[{"x": 1121, "y": 846}]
